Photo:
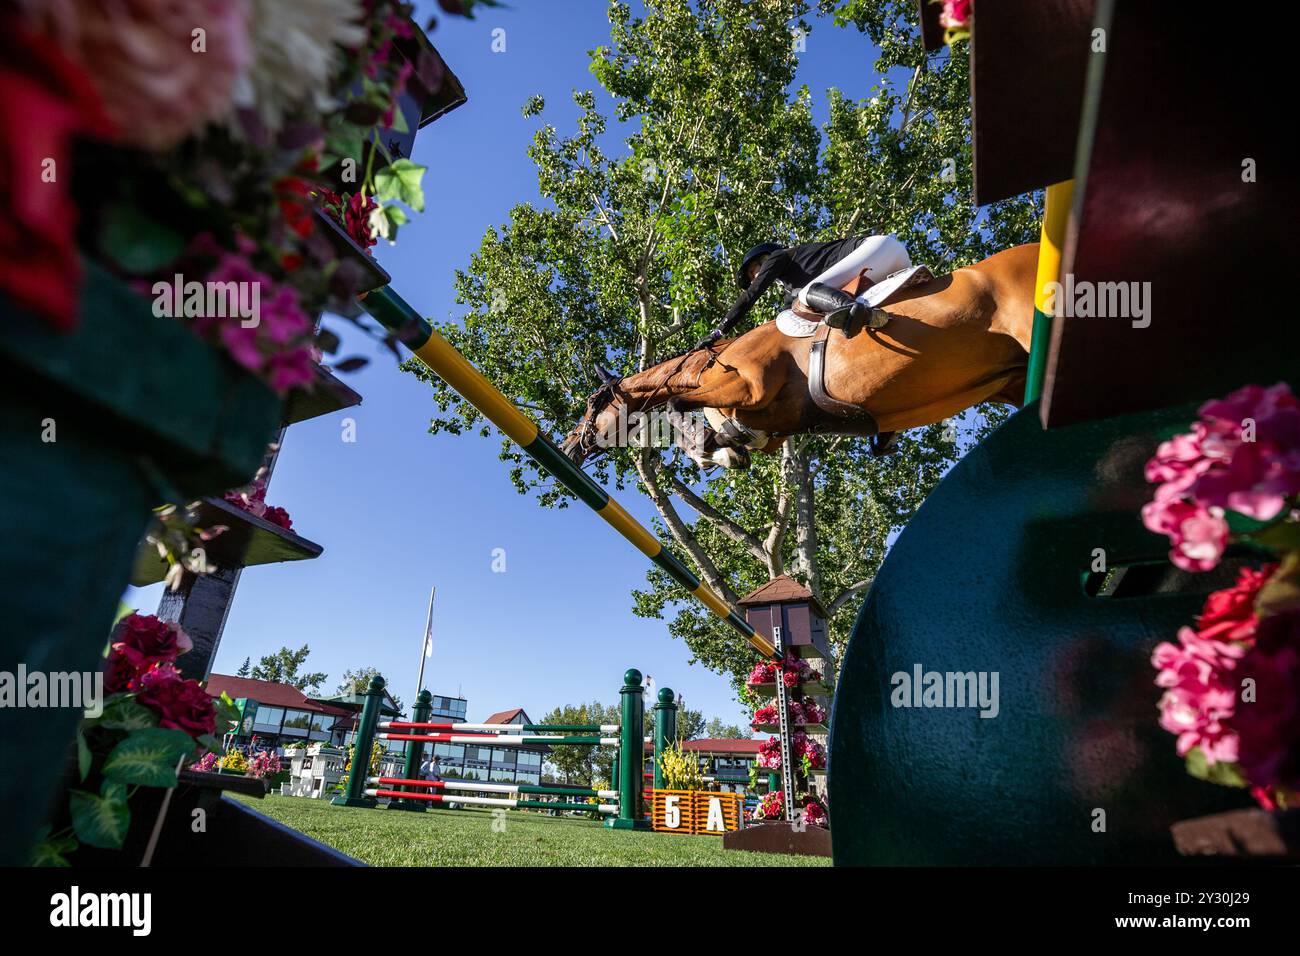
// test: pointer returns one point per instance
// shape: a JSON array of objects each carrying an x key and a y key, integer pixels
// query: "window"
[
  {"x": 267, "y": 720},
  {"x": 297, "y": 723}
]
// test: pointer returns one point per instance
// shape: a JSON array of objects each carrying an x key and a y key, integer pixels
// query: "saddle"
[{"x": 875, "y": 295}]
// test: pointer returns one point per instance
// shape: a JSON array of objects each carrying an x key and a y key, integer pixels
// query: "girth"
[{"x": 843, "y": 412}]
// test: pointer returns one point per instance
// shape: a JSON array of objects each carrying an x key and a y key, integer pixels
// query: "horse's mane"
[{"x": 686, "y": 360}]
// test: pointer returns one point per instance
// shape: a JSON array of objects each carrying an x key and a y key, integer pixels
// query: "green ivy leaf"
[
  {"x": 148, "y": 757},
  {"x": 1284, "y": 536},
  {"x": 125, "y": 713},
  {"x": 52, "y": 851},
  {"x": 401, "y": 181},
  {"x": 135, "y": 243},
  {"x": 99, "y": 821},
  {"x": 1224, "y": 774}
]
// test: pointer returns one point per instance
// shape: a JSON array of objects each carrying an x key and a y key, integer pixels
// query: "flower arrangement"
[
  {"x": 253, "y": 500},
  {"x": 152, "y": 720},
  {"x": 681, "y": 769},
  {"x": 955, "y": 19},
  {"x": 806, "y": 711},
  {"x": 233, "y": 761},
  {"x": 1232, "y": 683},
  {"x": 263, "y": 764},
  {"x": 208, "y": 157},
  {"x": 772, "y": 807},
  {"x": 808, "y": 754},
  {"x": 205, "y": 764},
  {"x": 794, "y": 671}
]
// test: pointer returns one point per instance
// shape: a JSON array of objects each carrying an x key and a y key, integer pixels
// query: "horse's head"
[{"x": 597, "y": 430}]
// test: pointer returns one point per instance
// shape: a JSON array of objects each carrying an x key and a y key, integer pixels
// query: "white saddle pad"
[
  {"x": 877, "y": 296},
  {"x": 880, "y": 293}
]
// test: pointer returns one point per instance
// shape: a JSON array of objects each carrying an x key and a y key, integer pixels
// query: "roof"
[
  {"x": 780, "y": 590},
  {"x": 717, "y": 745},
  {"x": 507, "y": 717},
  {"x": 352, "y": 703},
  {"x": 267, "y": 692}
]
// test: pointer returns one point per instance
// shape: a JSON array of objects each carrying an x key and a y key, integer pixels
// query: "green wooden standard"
[
  {"x": 414, "y": 756},
  {"x": 631, "y": 756},
  {"x": 665, "y": 721},
  {"x": 994, "y": 575},
  {"x": 365, "y": 739}
]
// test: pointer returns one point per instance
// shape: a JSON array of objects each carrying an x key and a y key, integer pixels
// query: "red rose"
[
  {"x": 144, "y": 640},
  {"x": 294, "y": 197},
  {"x": 1229, "y": 615},
  {"x": 181, "y": 704},
  {"x": 119, "y": 674},
  {"x": 278, "y": 516},
  {"x": 45, "y": 103}
]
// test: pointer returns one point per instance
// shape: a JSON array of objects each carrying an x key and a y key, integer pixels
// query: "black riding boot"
[{"x": 839, "y": 309}]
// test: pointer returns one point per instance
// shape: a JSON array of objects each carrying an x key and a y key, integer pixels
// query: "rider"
[{"x": 816, "y": 271}]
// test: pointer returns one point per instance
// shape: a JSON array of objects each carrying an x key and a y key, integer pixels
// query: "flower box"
[
  {"x": 98, "y": 427},
  {"x": 806, "y": 689},
  {"x": 806, "y": 728},
  {"x": 330, "y": 394},
  {"x": 247, "y": 541}
]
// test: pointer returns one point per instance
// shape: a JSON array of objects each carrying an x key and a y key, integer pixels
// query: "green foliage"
[
  {"x": 628, "y": 258},
  {"x": 579, "y": 765},
  {"x": 100, "y": 819},
  {"x": 717, "y": 730},
  {"x": 148, "y": 757},
  {"x": 282, "y": 668}
]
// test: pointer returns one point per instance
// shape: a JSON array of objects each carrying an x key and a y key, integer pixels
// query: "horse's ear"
[{"x": 606, "y": 377}]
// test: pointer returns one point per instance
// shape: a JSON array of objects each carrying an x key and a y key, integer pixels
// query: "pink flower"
[
  {"x": 156, "y": 88},
  {"x": 1243, "y": 456},
  {"x": 955, "y": 15},
  {"x": 1199, "y": 694},
  {"x": 813, "y": 813}
]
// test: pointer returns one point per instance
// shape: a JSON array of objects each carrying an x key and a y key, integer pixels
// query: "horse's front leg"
[{"x": 701, "y": 443}]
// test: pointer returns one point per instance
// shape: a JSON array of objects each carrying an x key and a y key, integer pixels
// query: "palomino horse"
[{"x": 950, "y": 343}]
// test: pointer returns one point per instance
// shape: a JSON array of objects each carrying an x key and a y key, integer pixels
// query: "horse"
[{"x": 948, "y": 344}]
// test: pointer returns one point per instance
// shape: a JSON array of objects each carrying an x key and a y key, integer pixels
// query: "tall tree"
[
  {"x": 282, "y": 668},
  {"x": 630, "y": 256},
  {"x": 244, "y": 667},
  {"x": 578, "y": 764},
  {"x": 358, "y": 682},
  {"x": 717, "y": 730}
]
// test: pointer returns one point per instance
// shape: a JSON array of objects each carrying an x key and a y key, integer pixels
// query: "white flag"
[{"x": 428, "y": 626}]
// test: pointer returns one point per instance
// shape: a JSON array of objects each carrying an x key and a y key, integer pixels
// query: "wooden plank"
[
  {"x": 1160, "y": 201},
  {"x": 1028, "y": 61}
]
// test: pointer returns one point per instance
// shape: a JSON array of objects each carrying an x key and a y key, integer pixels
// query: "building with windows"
[
  {"x": 495, "y": 763},
  {"x": 279, "y": 714},
  {"x": 727, "y": 761},
  {"x": 450, "y": 709}
]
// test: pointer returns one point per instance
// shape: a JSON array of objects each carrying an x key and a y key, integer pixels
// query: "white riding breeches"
[{"x": 879, "y": 256}]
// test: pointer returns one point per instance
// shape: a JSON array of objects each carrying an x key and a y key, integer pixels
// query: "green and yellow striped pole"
[
  {"x": 396, "y": 315},
  {"x": 1056, "y": 214}
]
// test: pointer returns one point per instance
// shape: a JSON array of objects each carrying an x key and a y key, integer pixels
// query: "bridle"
[{"x": 589, "y": 443}]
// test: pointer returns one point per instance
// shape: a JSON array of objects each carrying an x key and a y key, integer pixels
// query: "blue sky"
[{"x": 400, "y": 510}]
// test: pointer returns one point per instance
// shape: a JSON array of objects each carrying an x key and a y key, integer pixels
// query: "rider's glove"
[{"x": 708, "y": 339}]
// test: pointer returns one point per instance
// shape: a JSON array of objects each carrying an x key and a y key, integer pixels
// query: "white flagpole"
[{"x": 426, "y": 649}]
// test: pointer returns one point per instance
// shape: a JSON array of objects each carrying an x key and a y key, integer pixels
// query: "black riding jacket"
[{"x": 793, "y": 267}]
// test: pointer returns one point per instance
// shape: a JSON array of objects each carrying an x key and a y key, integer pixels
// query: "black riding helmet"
[{"x": 757, "y": 252}]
